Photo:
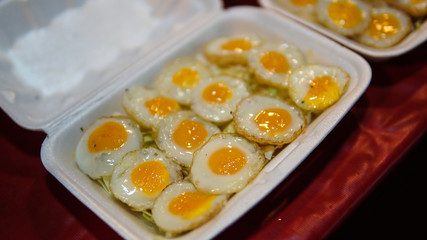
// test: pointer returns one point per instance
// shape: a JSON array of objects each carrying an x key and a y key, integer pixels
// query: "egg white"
[
  {"x": 249, "y": 108},
  {"x": 214, "y": 52},
  {"x": 219, "y": 112},
  {"x": 174, "y": 224},
  {"x": 322, "y": 15},
  {"x": 414, "y": 9},
  {"x": 292, "y": 54},
  {"x": 301, "y": 79},
  {"x": 124, "y": 189},
  {"x": 167, "y": 128},
  {"x": 133, "y": 102},
  {"x": 168, "y": 88},
  {"x": 304, "y": 9},
  {"x": 101, "y": 164},
  {"x": 208, "y": 181}
]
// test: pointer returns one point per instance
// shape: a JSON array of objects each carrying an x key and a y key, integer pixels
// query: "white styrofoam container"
[
  {"x": 206, "y": 22},
  {"x": 411, "y": 41},
  {"x": 25, "y": 98}
]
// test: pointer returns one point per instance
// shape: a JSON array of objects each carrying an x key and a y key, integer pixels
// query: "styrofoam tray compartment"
[
  {"x": 412, "y": 40},
  {"x": 57, "y": 150}
]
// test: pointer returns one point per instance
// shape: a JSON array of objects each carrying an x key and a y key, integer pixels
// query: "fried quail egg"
[
  {"x": 104, "y": 143},
  {"x": 141, "y": 176},
  {"x": 303, "y": 8},
  {"x": 346, "y": 17},
  {"x": 216, "y": 99},
  {"x": 415, "y": 8},
  {"x": 268, "y": 120},
  {"x": 147, "y": 107},
  {"x": 181, "y": 207},
  {"x": 316, "y": 87},
  {"x": 272, "y": 62},
  {"x": 178, "y": 79},
  {"x": 226, "y": 164},
  {"x": 182, "y": 133},
  {"x": 225, "y": 51},
  {"x": 388, "y": 26}
]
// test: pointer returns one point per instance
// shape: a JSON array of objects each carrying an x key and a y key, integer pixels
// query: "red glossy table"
[{"x": 312, "y": 202}]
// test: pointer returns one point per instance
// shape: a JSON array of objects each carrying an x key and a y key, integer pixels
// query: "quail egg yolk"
[
  {"x": 273, "y": 120},
  {"x": 217, "y": 93},
  {"x": 191, "y": 204},
  {"x": 161, "y": 106},
  {"x": 150, "y": 177},
  {"x": 186, "y": 78},
  {"x": 227, "y": 161},
  {"x": 323, "y": 92},
  {"x": 345, "y": 14},
  {"x": 107, "y": 137},
  {"x": 237, "y": 45},
  {"x": 274, "y": 62},
  {"x": 303, "y": 2},
  {"x": 414, "y": 2},
  {"x": 190, "y": 134},
  {"x": 383, "y": 26}
]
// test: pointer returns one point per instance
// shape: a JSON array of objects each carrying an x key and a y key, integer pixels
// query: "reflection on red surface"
[{"x": 372, "y": 138}]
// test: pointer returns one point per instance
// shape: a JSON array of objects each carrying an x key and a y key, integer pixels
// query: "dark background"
[{"x": 396, "y": 208}]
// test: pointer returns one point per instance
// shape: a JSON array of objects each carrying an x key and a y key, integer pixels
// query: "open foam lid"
[{"x": 56, "y": 55}]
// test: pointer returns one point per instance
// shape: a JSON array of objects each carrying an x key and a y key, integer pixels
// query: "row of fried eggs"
[
  {"x": 207, "y": 128},
  {"x": 378, "y": 23}
]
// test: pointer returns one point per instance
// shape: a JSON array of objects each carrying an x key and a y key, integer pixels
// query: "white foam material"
[{"x": 100, "y": 30}]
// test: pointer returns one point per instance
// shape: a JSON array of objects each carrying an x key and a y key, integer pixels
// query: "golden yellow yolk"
[
  {"x": 217, "y": 93},
  {"x": 274, "y": 62},
  {"x": 191, "y": 204},
  {"x": 150, "y": 177},
  {"x": 186, "y": 78},
  {"x": 303, "y": 2},
  {"x": 237, "y": 45},
  {"x": 323, "y": 92},
  {"x": 383, "y": 26},
  {"x": 190, "y": 134},
  {"x": 227, "y": 160},
  {"x": 107, "y": 137},
  {"x": 161, "y": 106},
  {"x": 414, "y": 2},
  {"x": 273, "y": 120},
  {"x": 345, "y": 14}
]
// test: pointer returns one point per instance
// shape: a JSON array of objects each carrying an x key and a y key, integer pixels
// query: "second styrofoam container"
[
  {"x": 57, "y": 150},
  {"x": 412, "y": 40}
]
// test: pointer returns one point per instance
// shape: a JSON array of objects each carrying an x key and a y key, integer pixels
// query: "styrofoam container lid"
[
  {"x": 412, "y": 40},
  {"x": 57, "y": 150},
  {"x": 56, "y": 56}
]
